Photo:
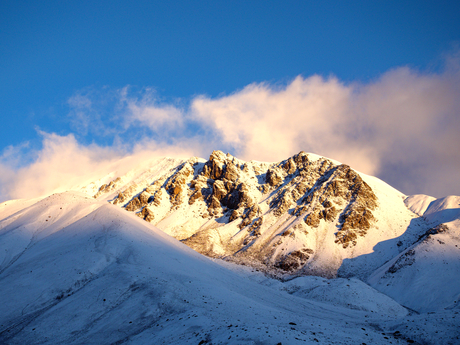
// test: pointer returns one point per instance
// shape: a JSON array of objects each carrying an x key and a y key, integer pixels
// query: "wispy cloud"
[
  {"x": 62, "y": 164},
  {"x": 402, "y": 127}
]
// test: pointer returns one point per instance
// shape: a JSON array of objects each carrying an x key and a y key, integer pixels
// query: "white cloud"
[
  {"x": 402, "y": 127},
  {"x": 148, "y": 111},
  {"x": 64, "y": 164},
  {"x": 309, "y": 114}
]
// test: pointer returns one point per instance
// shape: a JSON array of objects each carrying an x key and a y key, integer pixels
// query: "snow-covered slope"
[
  {"x": 426, "y": 276},
  {"x": 75, "y": 270},
  {"x": 83, "y": 267}
]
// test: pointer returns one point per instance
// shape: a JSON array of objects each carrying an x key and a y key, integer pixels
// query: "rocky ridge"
[{"x": 267, "y": 214}]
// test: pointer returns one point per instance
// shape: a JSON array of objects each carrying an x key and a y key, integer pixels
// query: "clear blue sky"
[{"x": 50, "y": 50}]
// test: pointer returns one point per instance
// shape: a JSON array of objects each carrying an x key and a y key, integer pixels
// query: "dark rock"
[
  {"x": 312, "y": 220},
  {"x": 274, "y": 177},
  {"x": 294, "y": 260}
]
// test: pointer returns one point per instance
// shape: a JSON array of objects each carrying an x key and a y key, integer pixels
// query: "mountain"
[
  {"x": 110, "y": 263},
  {"x": 307, "y": 215}
]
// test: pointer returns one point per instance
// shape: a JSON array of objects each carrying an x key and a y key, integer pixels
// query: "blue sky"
[{"x": 79, "y": 68}]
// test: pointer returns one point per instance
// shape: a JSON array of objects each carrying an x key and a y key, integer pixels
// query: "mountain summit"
[{"x": 305, "y": 215}]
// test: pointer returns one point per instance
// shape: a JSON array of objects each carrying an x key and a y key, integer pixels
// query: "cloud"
[
  {"x": 147, "y": 110},
  {"x": 267, "y": 124},
  {"x": 414, "y": 119},
  {"x": 402, "y": 127},
  {"x": 64, "y": 164}
]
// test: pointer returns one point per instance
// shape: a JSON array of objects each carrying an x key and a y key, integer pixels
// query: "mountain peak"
[{"x": 281, "y": 216}]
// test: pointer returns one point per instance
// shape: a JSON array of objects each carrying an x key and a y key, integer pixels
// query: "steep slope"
[
  {"x": 75, "y": 270},
  {"x": 425, "y": 277},
  {"x": 305, "y": 215}
]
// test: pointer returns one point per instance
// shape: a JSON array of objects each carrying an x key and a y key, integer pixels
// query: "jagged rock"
[
  {"x": 264, "y": 189},
  {"x": 300, "y": 210},
  {"x": 138, "y": 202},
  {"x": 177, "y": 183},
  {"x": 147, "y": 214},
  {"x": 200, "y": 182},
  {"x": 218, "y": 190},
  {"x": 330, "y": 213},
  {"x": 214, "y": 207},
  {"x": 120, "y": 198},
  {"x": 134, "y": 204},
  {"x": 252, "y": 212},
  {"x": 214, "y": 167},
  {"x": 294, "y": 260},
  {"x": 231, "y": 172},
  {"x": 290, "y": 166},
  {"x": 282, "y": 203},
  {"x": 144, "y": 198},
  {"x": 295, "y": 195},
  {"x": 312, "y": 220},
  {"x": 256, "y": 225},
  {"x": 346, "y": 237},
  {"x": 156, "y": 198},
  {"x": 354, "y": 221},
  {"x": 356, "y": 218},
  {"x": 236, "y": 214},
  {"x": 313, "y": 189},
  {"x": 244, "y": 196},
  {"x": 107, "y": 187},
  {"x": 126, "y": 194},
  {"x": 301, "y": 159},
  {"x": 195, "y": 196},
  {"x": 301, "y": 188},
  {"x": 245, "y": 222},
  {"x": 274, "y": 177}
]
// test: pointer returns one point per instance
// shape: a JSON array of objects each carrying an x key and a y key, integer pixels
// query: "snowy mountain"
[
  {"x": 103, "y": 264},
  {"x": 305, "y": 215}
]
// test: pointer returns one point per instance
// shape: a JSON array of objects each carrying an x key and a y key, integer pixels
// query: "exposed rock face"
[
  {"x": 125, "y": 195},
  {"x": 439, "y": 229},
  {"x": 294, "y": 260},
  {"x": 274, "y": 177},
  {"x": 147, "y": 214},
  {"x": 407, "y": 259},
  {"x": 105, "y": 188},
  {"x": 176, "y": 185},
  {"x": 263, "y": 206}
]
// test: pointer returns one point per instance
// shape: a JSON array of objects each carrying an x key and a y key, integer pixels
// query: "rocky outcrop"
[
  {"x": 406, "y": 259},
  {"x": 147, "y": 214},
  {"x": 105, "y": 188},
  {"x": 125, "y": 195},
  {"x": 299, "y": 196},
  {"x": 294, "y": 260},
  {"x": 176, "y": 185},
  {"x": 438, "y": 229}
]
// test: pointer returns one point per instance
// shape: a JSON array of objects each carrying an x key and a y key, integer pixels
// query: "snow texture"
[{"x": 75, "y": 269}]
